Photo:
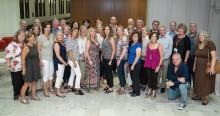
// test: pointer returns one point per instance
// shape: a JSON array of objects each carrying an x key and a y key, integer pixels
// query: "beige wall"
[{"x": 9, "y": 11}]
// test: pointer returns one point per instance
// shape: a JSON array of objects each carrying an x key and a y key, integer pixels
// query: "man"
[
  {"x": 113, "y": 24},
  {"x": 139, "y": 25},
  {"x": 130, "y": 25},
  {"x": 38, "y": 23},
  {"x": 23, "y": 26},
  {"x": 98, "y": 22},
  {"x": 193, "y": 35},
  {"x": 56, "y": 25},
  {"x": 178, "y": 80},
  {"x": 167, "y": 44},
  {"x": 62, "y": 23},
  {"x": 155, "y": 25},
  {"x": 172, "y": 31}
]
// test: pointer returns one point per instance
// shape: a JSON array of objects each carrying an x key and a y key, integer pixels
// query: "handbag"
[{"x": 216, "y": 67}]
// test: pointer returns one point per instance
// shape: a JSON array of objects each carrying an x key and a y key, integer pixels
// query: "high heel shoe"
[
  {"x": 79, "y": 92},
  {"x": 153, "y": 96},
  {"x": 205, "y": 100},
  {"x": 148, "y": 94}
]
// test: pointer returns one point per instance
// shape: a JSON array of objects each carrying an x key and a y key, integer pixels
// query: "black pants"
[
  {"x": 143, "y": 75},
  {"x": 108, "y": 72},
  {"x": 152, "y": 78},
  {"x": 17, "y": 82},
  {"x": 66, "y": 74},
  {"x": 114, "y": 65},
  {"x": 135, "y": 77},
  {"x": 190, "y": 64}
]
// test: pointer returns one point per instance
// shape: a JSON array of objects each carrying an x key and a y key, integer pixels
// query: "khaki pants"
[
  {"x": 82, "y": 65},
  {"x": 163, "y": 73}
]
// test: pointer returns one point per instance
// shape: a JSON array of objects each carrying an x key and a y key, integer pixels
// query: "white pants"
[
  {"x": 47, "y": 70},
  {"x": 59, "y": 73},
  {"x": 129, "y": 79},
  {"x": 75, "y": 71}
]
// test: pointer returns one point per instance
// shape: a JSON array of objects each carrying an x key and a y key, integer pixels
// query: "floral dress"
[
  {"x": 13, "y": 54},
  {"x": 93, "y": 71}
]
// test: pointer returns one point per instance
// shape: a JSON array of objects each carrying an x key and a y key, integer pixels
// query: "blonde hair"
[
  {"x": 89, "y": 31},
  {"x": 207, "y": 38},
  {"x": 56, "y": 39}
]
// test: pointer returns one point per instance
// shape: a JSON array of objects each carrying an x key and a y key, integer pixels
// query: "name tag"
[{"x": 175, "y": 50}]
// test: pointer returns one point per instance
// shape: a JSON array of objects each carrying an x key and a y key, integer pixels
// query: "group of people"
[{"x": 71, "y": 57}]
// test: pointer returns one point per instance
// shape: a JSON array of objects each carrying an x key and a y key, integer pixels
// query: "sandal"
[
  {"x": 108, "y": 91},
  {"x": 52, "y": 91},
  {"x": 60, "y": 95},
  {"x": 122, "y": 92},
  {"x": 35, "y": 98},
  {"x": 105, "y": 89},
  {"x": 24, "y": 101},
  {"x": 153, "y": 96}
]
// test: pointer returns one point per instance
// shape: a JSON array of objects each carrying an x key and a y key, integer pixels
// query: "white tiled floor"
[{"x": 100, "y": 104}]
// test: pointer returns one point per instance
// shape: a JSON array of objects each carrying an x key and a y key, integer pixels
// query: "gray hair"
[{"x": 177, "y": 55}]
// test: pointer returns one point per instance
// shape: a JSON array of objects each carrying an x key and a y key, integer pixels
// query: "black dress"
[{"x": 32, "y": 65}]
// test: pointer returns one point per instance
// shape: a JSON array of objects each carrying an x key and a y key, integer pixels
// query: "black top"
[
  {"x": 62, "y": 54},
  {"x": 181, "y": 45}
]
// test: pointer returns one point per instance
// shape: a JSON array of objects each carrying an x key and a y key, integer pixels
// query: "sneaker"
[{"x": 181, "y": 106}]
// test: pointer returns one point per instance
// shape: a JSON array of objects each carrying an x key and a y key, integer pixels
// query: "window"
[
  {"x": 61, "y": 6},
  {"x": 67, "y": 6},
  {"x": 24, "y": 9},
  {"x": 40, "y": 8},
  {"x": 52, "y": 5}
]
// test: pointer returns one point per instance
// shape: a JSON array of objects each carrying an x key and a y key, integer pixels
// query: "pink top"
[{"x": 152, "y": 59}]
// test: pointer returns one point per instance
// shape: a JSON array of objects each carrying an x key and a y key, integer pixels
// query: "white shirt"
[
  {"x": 82, "y": 44},
  {"x": 145, "y": 42},
  {"x": 99, "y": 39}
]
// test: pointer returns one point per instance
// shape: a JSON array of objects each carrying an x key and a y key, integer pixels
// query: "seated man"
[{"x": 178, "y": 83}]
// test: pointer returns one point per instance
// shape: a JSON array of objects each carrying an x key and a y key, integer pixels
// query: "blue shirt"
[
  {"x": 182, "y": 71},
  {"x": 167, "y": 44},
  {"x": 171, "y": 34},
  {"x": 132, "y": 53}
]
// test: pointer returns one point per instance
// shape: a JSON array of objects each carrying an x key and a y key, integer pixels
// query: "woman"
[
  {"x": 75, "y": 24},
  {"x": 108, "y": 53},
  {"x": 145, "y": 41},
  {"x": 13, "y": 59},
  {"x": 72, "y": 49},
  {"x": 121, "y": 57},
  {"x": 153, "y": 61},
  {"x": 36, "y": 29},
  {"x": 204, "y": 81},
  {"x": 181, "y": 43},
  {"x": 82, "y": 48},
  {"x": 45, "y": 47},
  {"x": 30, "y": 68},
  {"x": 92, "y": 60},
  {"x": 100, "y": 37},
  {"x": 128, "y": 75},
  {"x": 60, "y": 61},
  {"x": 134, "y": 53},
  {"x": 86, "y": 23}
]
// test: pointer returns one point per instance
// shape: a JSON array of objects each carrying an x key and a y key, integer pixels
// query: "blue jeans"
[
  {"x": 121, "y": 73},
  {"x": 180, "y": 91}
]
